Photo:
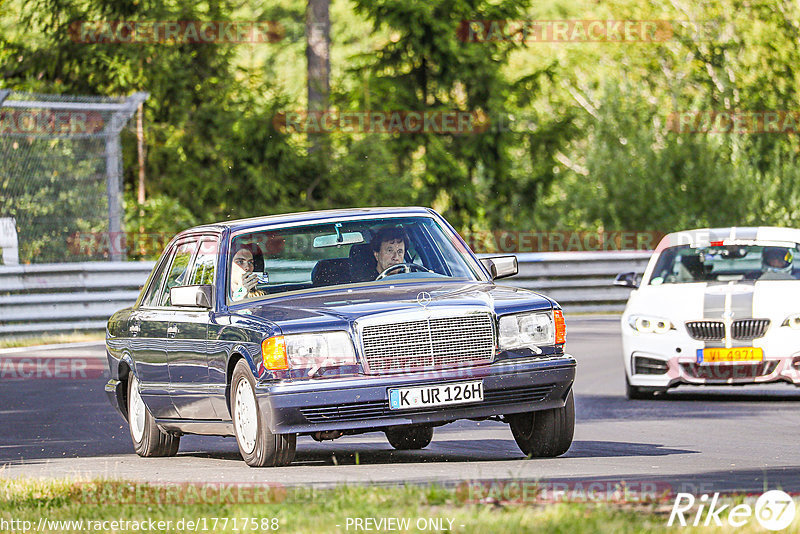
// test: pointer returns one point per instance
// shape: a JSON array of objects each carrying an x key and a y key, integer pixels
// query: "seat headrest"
[
  {"x": 331, "y": 272},
  {"x": 363, "y": 265}
]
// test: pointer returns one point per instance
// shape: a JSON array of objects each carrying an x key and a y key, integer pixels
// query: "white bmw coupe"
[{"x": 714, "y": 307}]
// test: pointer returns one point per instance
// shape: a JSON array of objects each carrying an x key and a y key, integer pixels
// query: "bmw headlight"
[
  {"x": 793, "y": 321},
  {"x": 308, "y": 351},
  {"x": 526, "y": 330},
  {"x": 650, "y": 325}
]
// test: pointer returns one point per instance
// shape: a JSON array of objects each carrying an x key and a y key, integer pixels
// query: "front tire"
[
  {"x": 637, "y": 393},
  {"x": 413, "y": 438},
  {"x": 544, "y": 433},
  {"x": 258, "y": 446},
  {"x": 148, "y": 439}
]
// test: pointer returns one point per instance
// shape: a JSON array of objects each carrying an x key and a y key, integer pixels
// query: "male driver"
[
  {"x": 776, "y": 263},
  {"x": 389, "y": 247}
]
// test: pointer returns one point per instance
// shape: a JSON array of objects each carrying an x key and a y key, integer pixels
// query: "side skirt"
[{"x": 199, "y": 427}]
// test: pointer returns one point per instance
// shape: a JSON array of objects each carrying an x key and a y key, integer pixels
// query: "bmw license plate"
[
  {"x": 736, "y": 354},
  {"x": 439, "y": 395}
]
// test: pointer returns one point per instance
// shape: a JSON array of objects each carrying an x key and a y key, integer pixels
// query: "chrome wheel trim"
[
  {"x": 136, "y": 411},
  {"x": 245, "y": 416}
]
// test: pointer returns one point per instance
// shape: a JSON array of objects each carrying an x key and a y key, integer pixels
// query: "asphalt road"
[{"x": 693, "y": 440}]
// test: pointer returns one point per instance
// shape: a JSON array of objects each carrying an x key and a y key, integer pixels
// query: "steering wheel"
[{"x": 406, "y": 267}]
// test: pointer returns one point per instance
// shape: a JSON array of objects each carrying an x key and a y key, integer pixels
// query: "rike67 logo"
[{"x": 774, "y": 510}]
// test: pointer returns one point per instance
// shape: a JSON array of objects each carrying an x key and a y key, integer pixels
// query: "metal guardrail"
[
  {"x": 579, "y": 281},
  {"x": 60, "y": 297}
]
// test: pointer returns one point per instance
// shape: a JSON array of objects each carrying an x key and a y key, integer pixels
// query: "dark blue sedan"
[{"x": 336, "y": 323}]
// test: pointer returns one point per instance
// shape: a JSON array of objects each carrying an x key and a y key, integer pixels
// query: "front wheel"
[
  {"x": 259, "y": 447},
  {"x": 406, "y": 439},
  {"x": 148, "y": 439},
  {"x": 637, "y": 393},
  {"x": 544, "y": 433}
]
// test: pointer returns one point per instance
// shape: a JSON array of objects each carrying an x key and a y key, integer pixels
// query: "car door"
[
  {"x": 147, "y": 327},
  {"x": 187, "y": 351}
]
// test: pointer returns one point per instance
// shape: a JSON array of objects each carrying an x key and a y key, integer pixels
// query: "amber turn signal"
[
  {"x": 273, "y": 352},
  {"x": 561, "y": 327}
]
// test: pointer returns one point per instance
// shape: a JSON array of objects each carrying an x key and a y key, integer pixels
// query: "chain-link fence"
[{"x": 61, "y": 174}]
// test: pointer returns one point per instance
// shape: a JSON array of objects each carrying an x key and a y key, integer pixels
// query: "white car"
[{"x": 714, "y": 307}]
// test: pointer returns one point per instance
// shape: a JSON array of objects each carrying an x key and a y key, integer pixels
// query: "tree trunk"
[{"x": 318, "y": 43}]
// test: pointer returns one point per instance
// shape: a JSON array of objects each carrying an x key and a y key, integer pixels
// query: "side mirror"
[
  {"x": 501, "y": 266},
  {"x": 192, "y": 296},
  {"x": 627, "y": 280}
]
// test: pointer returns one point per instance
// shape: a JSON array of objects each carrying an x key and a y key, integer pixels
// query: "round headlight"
[{"x": 661, "y": 326}]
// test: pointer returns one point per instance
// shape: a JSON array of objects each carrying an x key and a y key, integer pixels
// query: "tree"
[{"x": 428, "y": 66}]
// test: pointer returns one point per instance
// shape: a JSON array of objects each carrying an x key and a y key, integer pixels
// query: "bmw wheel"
[{"x": 259, "y": 447}]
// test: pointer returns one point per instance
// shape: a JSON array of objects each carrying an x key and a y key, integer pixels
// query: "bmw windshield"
[{"x": 684, "y": 264}]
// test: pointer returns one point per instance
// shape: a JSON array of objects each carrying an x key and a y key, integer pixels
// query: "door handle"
[{"x": 172, "y": 331}]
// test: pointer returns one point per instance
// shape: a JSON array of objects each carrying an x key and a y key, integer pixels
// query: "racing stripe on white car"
[
  {"x": 741, "y": 307},
  {"x": 728, "y": 302},
  {"x": 713, "y": 309}
]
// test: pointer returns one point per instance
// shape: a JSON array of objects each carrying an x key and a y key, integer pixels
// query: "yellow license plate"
[{"x": 736, "y": 354}]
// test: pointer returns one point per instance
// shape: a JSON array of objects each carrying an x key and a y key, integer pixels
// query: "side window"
[
  {"x": 178, "y": 270},
  {"x": 151, "y": 297},
  {"x": 205, "y": 264}
]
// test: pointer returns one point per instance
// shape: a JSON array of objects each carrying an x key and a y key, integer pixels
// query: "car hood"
[
  {"x": 685, "y": 302},
  {"x": 341, "y": 305}
]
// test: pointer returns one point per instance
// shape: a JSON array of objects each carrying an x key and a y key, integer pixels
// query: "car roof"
[
  {"x": 308, "y": 216},
  {"x": 736, "y": 235}
]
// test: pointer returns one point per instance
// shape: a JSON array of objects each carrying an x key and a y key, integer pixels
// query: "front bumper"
[
  {"x": 685, "y": 370},
  {"x": 361, "y": 403}
]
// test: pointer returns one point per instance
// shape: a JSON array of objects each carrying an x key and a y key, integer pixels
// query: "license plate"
[
  {"x": 438, "y": 395},
  {"x": 736, "y": 354}
]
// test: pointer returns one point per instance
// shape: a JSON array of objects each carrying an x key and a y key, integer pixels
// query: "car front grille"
[
  {"x": 729, "y": 371},
  {"x": 358, "y": 411},
  {"x": 749, "y": 328},
  {"x": 742, "y": 329},
  {"x": 706, "y": 330},
  {"x": 425, "y": 344}
]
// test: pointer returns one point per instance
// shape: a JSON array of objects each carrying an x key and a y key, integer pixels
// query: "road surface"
[{"x": 694, "y": 440}]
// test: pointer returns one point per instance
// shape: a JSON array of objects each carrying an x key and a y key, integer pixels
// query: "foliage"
[{"x": 578, "y": 134}]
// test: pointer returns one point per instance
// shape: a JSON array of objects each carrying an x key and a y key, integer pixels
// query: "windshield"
[
  {"x": 685, "y": 264},
  {"x": 271, "y": 261}
]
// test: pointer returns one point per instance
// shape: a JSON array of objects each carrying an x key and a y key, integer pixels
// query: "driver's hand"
[{"x": 249, "y": 281}]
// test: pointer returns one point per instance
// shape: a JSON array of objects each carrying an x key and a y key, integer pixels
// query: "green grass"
[
  {"x": 317, "y": 511},
  {"x": 49, "y": 339}
]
